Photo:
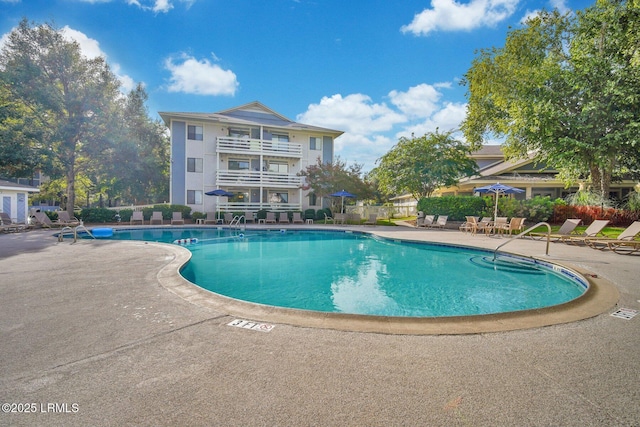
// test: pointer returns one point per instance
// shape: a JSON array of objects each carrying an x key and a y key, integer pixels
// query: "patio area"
[{"x": 90, "y": 336}]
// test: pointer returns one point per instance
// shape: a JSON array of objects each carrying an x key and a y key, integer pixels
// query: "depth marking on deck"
[
  {"x": 254, "y": 326},
  {"x": 625, "y": 313}
]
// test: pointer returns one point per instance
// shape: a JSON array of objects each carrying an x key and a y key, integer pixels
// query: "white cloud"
[
  {"x": 449, "y": 15},
  {"x": 554, "y": 4},
  {"x": 199, "y": 77},
  {"x": 157, "y": 6},
  {"x": 418, "y": 101},
  {"x": 354, "y": 113},
  {"x": 371, "y": 129}
]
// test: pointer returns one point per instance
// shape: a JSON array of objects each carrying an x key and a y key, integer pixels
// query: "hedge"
[{"x": 455, "y": 207}]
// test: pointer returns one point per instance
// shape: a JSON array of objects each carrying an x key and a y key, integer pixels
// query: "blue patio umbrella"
[
  {"x": 218, "y": 192},
  {"x": 342, "y": 194},
  {"x": 498, "y": 189}
]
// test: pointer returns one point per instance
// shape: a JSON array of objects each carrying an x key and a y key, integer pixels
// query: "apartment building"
[{"x": 249, "y": 151}]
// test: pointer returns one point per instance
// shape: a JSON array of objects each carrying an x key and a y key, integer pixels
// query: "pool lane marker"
[
  {"x": 625, "y": 313},
  {"x": 246, "y": 324}
]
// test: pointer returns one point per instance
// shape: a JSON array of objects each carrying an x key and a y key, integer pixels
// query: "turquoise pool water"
[{"x": 356, "y": 273}]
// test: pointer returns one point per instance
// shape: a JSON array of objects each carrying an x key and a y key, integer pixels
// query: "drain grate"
[{"x": 625, "y": 313}]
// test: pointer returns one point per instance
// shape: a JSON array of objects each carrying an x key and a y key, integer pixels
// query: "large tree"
[
  {"x": 421, "y": 165},
  {"x": 68, "y": 97},
  {"x": 325, "y": 178},
  {"x": 566, "y": 87}
]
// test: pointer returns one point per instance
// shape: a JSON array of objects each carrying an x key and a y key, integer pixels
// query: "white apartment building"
[{"x": 250, "y": 151}]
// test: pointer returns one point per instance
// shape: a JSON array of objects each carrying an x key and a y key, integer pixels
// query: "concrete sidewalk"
[{"x": 90, "y": 337}]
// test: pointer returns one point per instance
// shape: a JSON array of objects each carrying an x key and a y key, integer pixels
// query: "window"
[
  {"x": 194, "y": 164},
  {"x": 315, "y": 143},
  {"x": 194, "y": 132},
  {"x": 238, "y": 165},
  {"x": 280, "y": 137},
  {"x": 194, "y": 197},
  {"x": 278, "y": 197},
  {"x": 313, "y": 199},
  {"x": 278, "y": 167},
  {"x": 238, "y": 133}
]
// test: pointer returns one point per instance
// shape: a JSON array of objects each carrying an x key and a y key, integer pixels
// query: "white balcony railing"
[
  {"x": 227, "y": 144},
  {"x": 253, "y": 207},
  {"x": 257, "y": 179}
]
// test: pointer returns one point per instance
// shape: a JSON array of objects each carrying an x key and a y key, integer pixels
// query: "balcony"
[
  {"x": 245, "y": 178},
  {"x": 227, "y": 144},
  {"x": 253, "y": 207}
]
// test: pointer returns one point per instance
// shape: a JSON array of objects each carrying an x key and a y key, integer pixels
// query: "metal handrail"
[
  {"x": 236, "y": 220},
  {"x": 525, "y": 232}
]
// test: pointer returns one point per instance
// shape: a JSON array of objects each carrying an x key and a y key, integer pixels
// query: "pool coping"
[{"x": 601, "y": 296}]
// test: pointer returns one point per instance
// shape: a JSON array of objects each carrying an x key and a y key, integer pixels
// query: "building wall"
[{"x": 178, "y": 163}]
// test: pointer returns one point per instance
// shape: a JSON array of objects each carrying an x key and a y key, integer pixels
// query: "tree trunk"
[{"x": 600, "y": 180}]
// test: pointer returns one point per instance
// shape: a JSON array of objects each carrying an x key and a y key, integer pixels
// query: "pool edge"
[{"x": 601, "y": 296}]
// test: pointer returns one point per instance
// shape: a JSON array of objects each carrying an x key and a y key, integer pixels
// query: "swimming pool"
[{"x": 352, "y": 272}]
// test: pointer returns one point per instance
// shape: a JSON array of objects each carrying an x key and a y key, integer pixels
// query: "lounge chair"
[
  {"x": 249, "y": 217},
  {"x": 516, "y": 224},
  {"x": 228, "y": 217},
  {"x": 137, "y": 216},
  {"x": 440, "y": 222},
  {"x": 297, "y": 218},
  {"x": 156, "y": 218},
  {"x": 176, "y": 218},
  {"x": 42, "y": 220},
  {"x": 210, "y": 218},
  {"x": 64, "y": 220},
  {"x": 623, "y": 244},
  {"x": 566, "y": 229},
  {"x": 427, "y": 221},
  {"x": 470, "y": 225},
  {"x": 593, "y": 230},
  {"x": 340, "y": 218},
  {"x": 271, "y": 218},
  {"x": 8, "y": 225},
  {"x": 373, "y": 220},
  {"x": 354, "y": 217},
  {"x": 328, "y": 219},
  {"x": 283, "y": 218}
]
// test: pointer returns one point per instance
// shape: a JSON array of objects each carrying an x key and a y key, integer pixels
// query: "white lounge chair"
[
  {"x": 593, "y": 230},
  {"x": 176, "y": 218},
  {"x": 623, "y": 244},
  {"x": 156, "y": 218},
  {"x": 297, "y": 218},
  {"x": 283, "y": 218},
  {"x": 566, "y": 229},
  {"x": 441, "y": 222},
  {"x": 136, "y": 216},
  {"x": 271, "y": 218}
]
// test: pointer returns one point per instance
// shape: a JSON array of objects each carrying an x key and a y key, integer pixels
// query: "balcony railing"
[
  {"x": 227, "y": 144},
  {"x": 254, "y": 207},
  {"x": 257, "y": 179}
]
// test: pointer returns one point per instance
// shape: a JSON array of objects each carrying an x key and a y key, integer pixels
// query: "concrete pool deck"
[{"x": 90, "y": 336}]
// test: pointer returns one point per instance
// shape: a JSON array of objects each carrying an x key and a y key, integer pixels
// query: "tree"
[
  {"x": 421, "y": 165},
  {"x": 69, "y": 98},
  {"x": 329, "y": 177},
  {"x": 567, "y": 88}
]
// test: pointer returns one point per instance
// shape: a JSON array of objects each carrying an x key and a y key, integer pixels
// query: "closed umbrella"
[
  {"x": 498, "y": 189},
  {"x": 342, "y": 194}
]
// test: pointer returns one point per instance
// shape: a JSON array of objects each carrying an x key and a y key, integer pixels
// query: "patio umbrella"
[
  {"x": 498, "y": 189},
  {"x": 342, "y": 194},
  {"x": 218, "y": 192}
]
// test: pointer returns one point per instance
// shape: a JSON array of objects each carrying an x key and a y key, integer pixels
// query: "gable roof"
[{"x": 251, "y": 114}]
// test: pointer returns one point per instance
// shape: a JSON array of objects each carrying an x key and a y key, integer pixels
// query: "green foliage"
[
  {"x": 261, "y": 214},
  {"x": 421, "y": 165},
  {"x": 198, "y": 215},
  {"x": 587, "y": 198},
  {"x": 97, "y": 215},
  {"x": 310, "y": 214},
  {"x": 320, "y": 214},
  {"x": 632, "y": 201},
  {"x": 456, "y": 207},
  {"x": 328, "y": 178},
  {"x": 167, "y": 211},
  {"x": 566, "y": 87},
  {"x": 125, "y": 214},
  {"x": 536, "y": 209}
]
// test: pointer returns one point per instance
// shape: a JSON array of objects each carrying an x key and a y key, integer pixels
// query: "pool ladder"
[
  {"x": 238, "y": 223},
  {"x": 523, "y": 233},
  {"x": 73, "y": 230}
]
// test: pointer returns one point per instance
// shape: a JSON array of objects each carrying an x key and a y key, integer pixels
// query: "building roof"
[
  {"x": 253, "y": 113},
  {"x": 8, "y": 185}
]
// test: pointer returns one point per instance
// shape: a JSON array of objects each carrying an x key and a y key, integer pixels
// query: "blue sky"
[{"x": 376, "y": 69}]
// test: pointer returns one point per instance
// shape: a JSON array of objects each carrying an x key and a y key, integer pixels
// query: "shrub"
[
  {"x": 198, "y": 215},
  {"x": 261, "y": 214},
  {"x": 588, "y": 214},
  {"x": 456, "y": 207},
  {"x": 125, "y": 215},
  {"x": 322, "y": 212},
  {"x": 310, "y": 214},
  {"x": 97, "y": 215}
]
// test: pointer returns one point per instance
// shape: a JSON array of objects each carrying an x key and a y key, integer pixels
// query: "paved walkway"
[{"x": 89, "y": 336}]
